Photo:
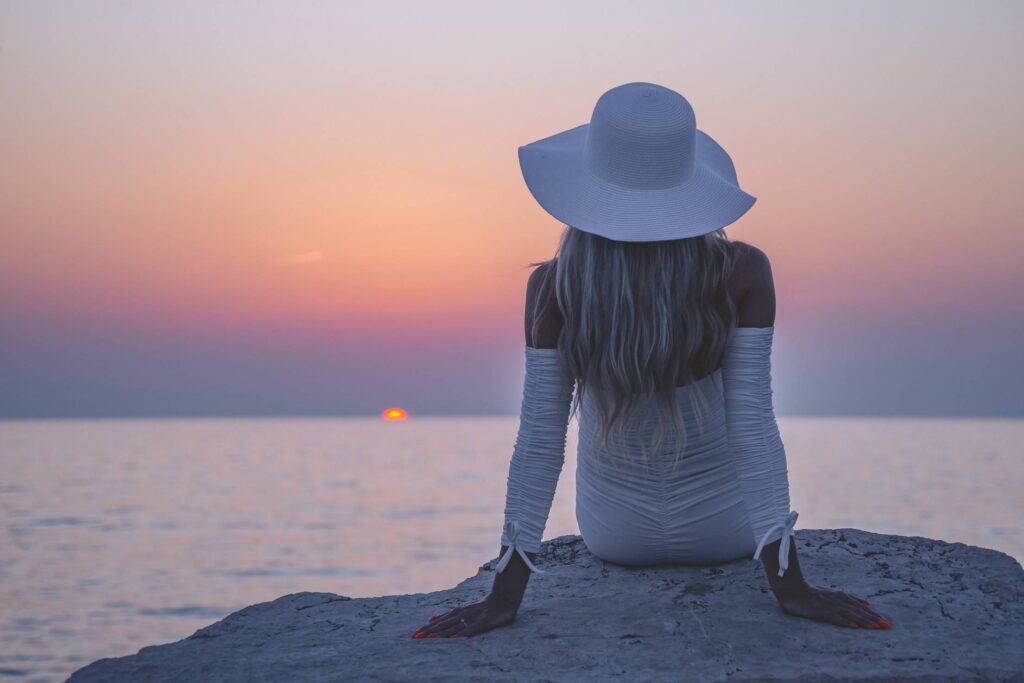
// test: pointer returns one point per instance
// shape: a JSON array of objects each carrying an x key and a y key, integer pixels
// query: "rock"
[{"x": 956, "y": 610}]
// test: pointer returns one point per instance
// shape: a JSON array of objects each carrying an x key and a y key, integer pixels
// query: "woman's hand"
[
  {"x": 469, "y": 620},
  {"x": 800, "y": 598},
  {"x": 832, "y": 606}
]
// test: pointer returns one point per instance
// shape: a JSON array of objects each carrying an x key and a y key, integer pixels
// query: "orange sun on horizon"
[{"x": 394, "y": 414}]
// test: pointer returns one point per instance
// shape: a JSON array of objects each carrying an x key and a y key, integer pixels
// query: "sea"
[{"x": 117, "y": 534}]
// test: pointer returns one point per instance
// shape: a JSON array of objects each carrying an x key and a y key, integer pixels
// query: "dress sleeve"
[
  {"x": 754, "y": 439},
  {"x": 538, "y": 455}
]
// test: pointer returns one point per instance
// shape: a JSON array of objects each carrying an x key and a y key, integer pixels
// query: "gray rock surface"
[{"x": 957, "y": 614}]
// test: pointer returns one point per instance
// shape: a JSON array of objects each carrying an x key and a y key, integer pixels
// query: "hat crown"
[{"x": 642, "y": 136}]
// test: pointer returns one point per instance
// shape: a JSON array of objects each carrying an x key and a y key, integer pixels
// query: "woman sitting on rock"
[{"x": 664, "y": 328}]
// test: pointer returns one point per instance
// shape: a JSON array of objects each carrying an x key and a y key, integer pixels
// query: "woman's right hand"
[
  {"x": 466, "y": 621},
  {"x": 831, "y": 606}
]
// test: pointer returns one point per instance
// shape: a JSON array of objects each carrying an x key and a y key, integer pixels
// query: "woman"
[{"x": 664, "y": 328}]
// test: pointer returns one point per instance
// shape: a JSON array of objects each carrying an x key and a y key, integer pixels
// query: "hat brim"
[{"x": 557, "y": 175}]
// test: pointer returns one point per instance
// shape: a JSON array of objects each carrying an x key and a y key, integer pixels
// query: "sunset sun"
[{"x": 394, "y": 414}]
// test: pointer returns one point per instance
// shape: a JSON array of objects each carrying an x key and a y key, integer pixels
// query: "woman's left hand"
[{"x": 832, "y": 606}]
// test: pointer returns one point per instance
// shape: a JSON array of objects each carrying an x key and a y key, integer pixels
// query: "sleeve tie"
[
  {"x": 512, "y": 533},
  {"x": 787, "y": 534}
]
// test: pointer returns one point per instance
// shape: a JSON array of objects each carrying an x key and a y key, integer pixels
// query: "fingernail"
[
  {"x": 456, "y": 636},
  {"x": 886, "y": 623},
  {"x": 418, "y": 635},
  {"x": 432, "y": 635},
  {"x": 432, "y": 620},
  {"x": 854, "y": 624},
  {"x": 873, "y": 624}
]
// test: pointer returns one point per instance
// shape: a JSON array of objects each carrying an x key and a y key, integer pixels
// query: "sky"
[{"x": 304, "y": 208}]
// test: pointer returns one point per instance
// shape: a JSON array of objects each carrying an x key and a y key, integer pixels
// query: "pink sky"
[{"x": 293, "y": 208}]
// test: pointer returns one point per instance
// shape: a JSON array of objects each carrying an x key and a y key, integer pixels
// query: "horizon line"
[{"x": 413, "y": 417}]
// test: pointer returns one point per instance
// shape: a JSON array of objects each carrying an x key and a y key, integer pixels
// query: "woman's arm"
[
  {"x": 537, "y": 460},
  {"x": 509, "y": 585},
  {"x": 792, "y": 579},
  {"x": 754, "y": 440},
  {"x": 761, "y": 460},
  {"x": 540, "y": 444}
]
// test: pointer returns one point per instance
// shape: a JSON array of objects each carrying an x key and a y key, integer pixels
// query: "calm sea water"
[{"x": 121, "y": 534}]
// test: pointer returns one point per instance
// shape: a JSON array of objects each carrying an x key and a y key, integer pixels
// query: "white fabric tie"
[
  {"x": 512, "y": 534},
  {"x": 787, "y": 534}
]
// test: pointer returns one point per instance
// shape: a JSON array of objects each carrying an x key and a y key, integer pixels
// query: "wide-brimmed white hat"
[{"x": 639, "y": 171}]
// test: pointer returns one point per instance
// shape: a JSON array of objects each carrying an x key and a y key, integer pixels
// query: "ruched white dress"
[{"x": 725, "y": 495}]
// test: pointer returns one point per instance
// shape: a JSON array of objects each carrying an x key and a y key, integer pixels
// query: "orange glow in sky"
[{"x": 317, "y": 208}]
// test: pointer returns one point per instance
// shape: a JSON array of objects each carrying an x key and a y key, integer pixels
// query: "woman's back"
[
  {"x": 639, "y": 506},
  {"x": 677, "y": 503},
  {"x": 750, "y": 285}
]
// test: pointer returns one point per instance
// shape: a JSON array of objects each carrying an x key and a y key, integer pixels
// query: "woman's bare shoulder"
[
  {"x": 750, "y": 257},
  {"x": 753, "y": 286},
  {"x": 540, "y": 302}
]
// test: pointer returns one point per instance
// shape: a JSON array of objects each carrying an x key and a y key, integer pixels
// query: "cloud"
[{"x": 305, "y": 257}]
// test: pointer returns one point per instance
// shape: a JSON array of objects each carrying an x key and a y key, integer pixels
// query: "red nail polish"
[
  {"x": 854, "y": 624},
  {"x": 432, "y": 620},
  {"x": 432, "y": 635},
  {"x": 872, "y": 624},
  {"x": 456, "y": 636}
]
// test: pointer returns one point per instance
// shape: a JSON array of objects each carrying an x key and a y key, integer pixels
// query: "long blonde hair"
[{"x": 637, "y": 316}]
